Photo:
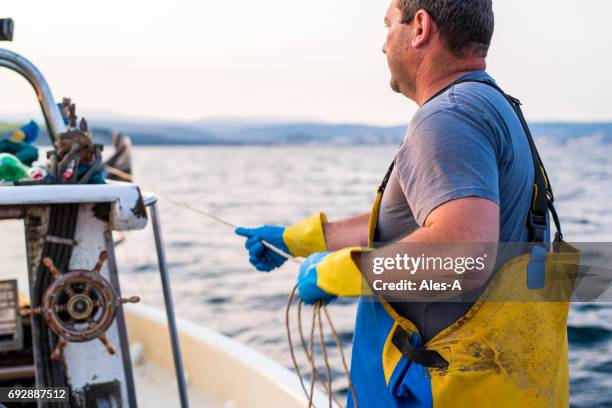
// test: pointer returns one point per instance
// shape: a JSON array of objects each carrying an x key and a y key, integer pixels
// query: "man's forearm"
[{"x": 348, "y": 232}]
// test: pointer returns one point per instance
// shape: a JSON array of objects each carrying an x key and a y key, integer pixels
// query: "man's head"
[{"x": 435, "y": 35}]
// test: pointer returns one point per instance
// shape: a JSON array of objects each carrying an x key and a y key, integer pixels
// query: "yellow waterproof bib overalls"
[{"x": 499, "y": 354}]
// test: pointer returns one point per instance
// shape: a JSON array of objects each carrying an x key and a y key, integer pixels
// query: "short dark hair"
[{"x": 462, "y": 23}]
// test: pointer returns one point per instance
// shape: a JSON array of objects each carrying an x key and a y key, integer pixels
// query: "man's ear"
[{"x": 423, "y": 28}]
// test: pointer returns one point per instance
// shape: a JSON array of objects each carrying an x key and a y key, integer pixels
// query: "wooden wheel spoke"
[
  {"x": 28, "y": 311},
  {"x": 57, "y": 352},
  {"x": 132, "y": 299},
  {"x": 51, "y": 266},
  {"x": 59, "y": 308},
  {"x": 101, "y": 260},
  {"x": 109, "y": 347},
  {"x": 69, "y": 290},
  {"x": 87, "y": 289}
]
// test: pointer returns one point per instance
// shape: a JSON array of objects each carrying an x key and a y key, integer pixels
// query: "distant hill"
[
  {"x": 235, "y": 132},
  {"x": 560, "y": 130},
  {"x": 245, "y": 132},
  {"x": 242, "y": 133},
  {"x": 6, "y": 128}
]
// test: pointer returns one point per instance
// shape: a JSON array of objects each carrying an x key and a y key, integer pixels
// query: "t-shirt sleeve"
[{"x": 449, "y": 155}]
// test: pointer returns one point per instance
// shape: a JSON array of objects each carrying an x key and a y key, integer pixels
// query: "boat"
[{"x": 72, "y": 329}]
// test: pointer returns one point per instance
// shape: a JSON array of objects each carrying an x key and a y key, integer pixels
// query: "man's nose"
[{"x": 384, "y": 48}]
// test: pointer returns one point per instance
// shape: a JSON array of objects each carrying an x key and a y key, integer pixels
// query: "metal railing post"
[{"x": 165, "y": 279}]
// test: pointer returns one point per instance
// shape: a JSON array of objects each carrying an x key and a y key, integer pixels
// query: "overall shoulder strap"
[{"x": 542, "y": 196}]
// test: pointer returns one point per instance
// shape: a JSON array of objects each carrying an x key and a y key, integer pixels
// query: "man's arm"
[
  {"x": 470, "y": 220},
  {"x": 459, "y": 228},
  {"x": 467, "y": 222},
  {"x": 349, "y": 232}
]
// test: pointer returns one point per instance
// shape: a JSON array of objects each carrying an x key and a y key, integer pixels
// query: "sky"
[{"x": 321, "y": 60}]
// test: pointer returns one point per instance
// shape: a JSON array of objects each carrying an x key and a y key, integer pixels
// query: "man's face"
[{"x": 401, "y": 56}]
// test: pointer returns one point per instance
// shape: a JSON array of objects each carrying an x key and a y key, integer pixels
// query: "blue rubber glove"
[
  {"x": 262, "y": 258},
  {"x": 307, "y": 285}
]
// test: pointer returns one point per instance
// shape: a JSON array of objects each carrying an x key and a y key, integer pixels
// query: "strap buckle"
[
  {"x": 514, "y": 100},
  {"x": 538, "y": 225},
  {"x": 420, "y": 355}
]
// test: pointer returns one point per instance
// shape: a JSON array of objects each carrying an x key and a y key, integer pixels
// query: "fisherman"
[{"x": 465, "y": 173}]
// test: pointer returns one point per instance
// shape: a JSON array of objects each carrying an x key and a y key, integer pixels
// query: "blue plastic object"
[
  {"x": 63, "y": 109},
  {"x": 262, "y": 258},
  {"x": 536, "y": 269},
  {"x": 309, "y": 290},
  {"x": 31, "y": 131}
]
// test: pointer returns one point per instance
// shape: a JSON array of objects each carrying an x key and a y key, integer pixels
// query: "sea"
[{"x": 215, "y": 286}]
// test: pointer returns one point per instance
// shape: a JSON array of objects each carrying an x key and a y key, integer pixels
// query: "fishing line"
[
  {"x": 316, "y": 317},
  {"x": 128, "y": 177}
]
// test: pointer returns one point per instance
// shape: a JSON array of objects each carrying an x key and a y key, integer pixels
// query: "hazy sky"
[{"x": 315, "y": 59}]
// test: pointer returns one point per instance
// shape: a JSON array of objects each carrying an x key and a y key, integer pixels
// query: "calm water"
[{"x": 215, "y": 286}]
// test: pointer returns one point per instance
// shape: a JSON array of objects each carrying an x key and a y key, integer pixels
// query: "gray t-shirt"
[{"x": 466, "y": 142}]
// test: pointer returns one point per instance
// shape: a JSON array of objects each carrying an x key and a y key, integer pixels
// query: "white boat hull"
[{"x": 217, "y": 366}]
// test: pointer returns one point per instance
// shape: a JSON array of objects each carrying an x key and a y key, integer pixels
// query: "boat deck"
[{"x": 156, "y": 387}]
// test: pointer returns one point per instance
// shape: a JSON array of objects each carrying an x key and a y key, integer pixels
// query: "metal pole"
[
  {"x": 163, "y": 270},
  {"x": 51, "y": 112}
]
